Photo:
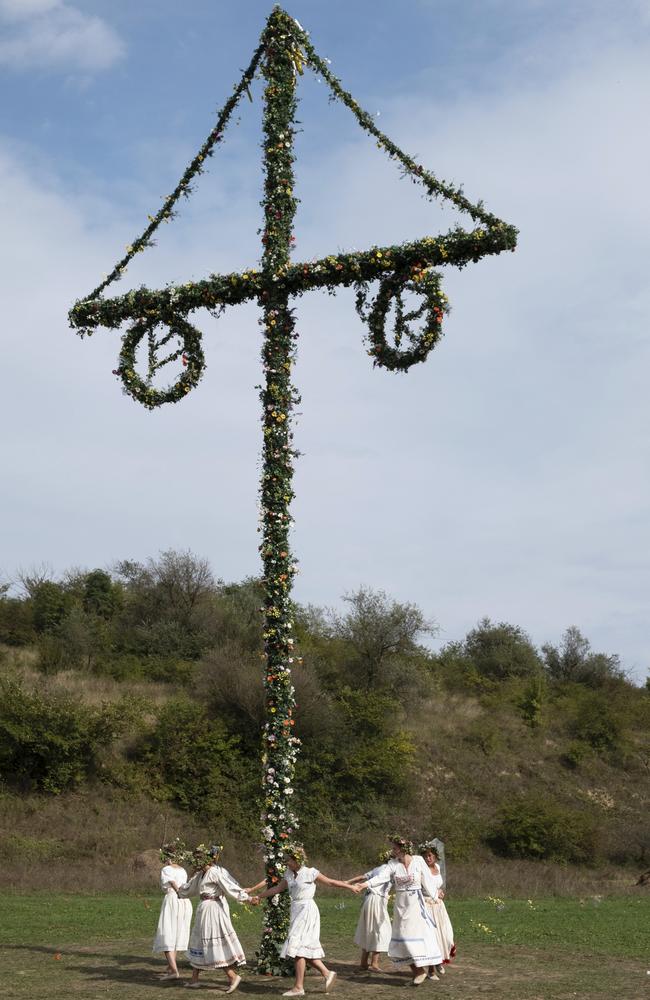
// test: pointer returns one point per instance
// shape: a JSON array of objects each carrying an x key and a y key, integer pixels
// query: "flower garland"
[
  {"x": 175, "y": 851},
  {"x": 190, "y": 352},
  {"x": 283, "y": 52},
  {"x": 276, "y": 492}
]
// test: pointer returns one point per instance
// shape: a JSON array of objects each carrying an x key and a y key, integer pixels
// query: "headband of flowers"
[
  {"x": 201, "y": 856},
  {"x": 401, "y": 842},
  {"x": 429, "y": 847},
  {"x": 175, "y": 850},
  {"x": 296, "y": 851},
  {"x": 383, "y": 857}
]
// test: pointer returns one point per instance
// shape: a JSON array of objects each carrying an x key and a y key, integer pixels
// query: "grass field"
[{"x": 76, "y": 946}]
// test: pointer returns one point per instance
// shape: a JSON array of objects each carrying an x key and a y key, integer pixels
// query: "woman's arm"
[
  {"x": 229, "y": 885},
  {"x": 280, "y": 887},
  {"x": 254, "y": 888},
  {"x": 357, "y": 878},
  {"x": 324, "y": 880},
  {"x": 191, "y": 887}
]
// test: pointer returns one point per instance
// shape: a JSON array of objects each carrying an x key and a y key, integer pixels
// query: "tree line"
[{"x": 367, "y": 686}]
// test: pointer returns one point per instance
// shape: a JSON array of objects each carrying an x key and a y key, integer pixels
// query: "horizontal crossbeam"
[{"x": 456, "y": 248}]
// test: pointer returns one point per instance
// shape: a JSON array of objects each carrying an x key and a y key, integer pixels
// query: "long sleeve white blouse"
[{"x": 213, "y": 884}]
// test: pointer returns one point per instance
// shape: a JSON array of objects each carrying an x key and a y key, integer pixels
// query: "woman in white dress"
[
  {"x": 303, "y": 937},
  {"x": 173, "y": 931},
  {"x": 438, "y": 909},
  {"x": 373, "y": 931},
  {"x": 213, "y": 942},
  {"x": 413, "y": 941}
]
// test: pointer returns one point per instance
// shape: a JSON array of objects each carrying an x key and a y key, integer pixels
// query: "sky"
[{"x": 507, "y": 476}]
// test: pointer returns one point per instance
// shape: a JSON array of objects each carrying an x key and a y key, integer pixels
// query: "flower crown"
[
  {"x": 296, "y": 851},
  {"x": 383, "y": 857},
  {"x": 201, "y": 856},
  {"x": 173, "y": 851},
  {"x": 402, "y": 842},
  {"x": 429, "y": 847}
]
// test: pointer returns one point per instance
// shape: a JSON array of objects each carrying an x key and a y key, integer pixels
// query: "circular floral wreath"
[
  {"x": 190, "y": 353},
  {"x": 435, "y": 304}
]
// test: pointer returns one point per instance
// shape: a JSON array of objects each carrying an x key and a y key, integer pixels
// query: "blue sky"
[{"x": 506, "y": 477}]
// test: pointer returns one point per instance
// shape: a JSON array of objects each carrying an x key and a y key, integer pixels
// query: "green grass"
[{"x": 64, "y": 946}]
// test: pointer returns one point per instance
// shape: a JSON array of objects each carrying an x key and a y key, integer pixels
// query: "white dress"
[
  {"x": 438, "y": 911},
  {"x": 444, "y": 929},
  {"x": 303, "y": 937},
  {"x": 414, "y": 940},
  {"x": 213, "y": 942},
  {"x": 373, "y": 931},
  {"x": 173, "y": 931}
]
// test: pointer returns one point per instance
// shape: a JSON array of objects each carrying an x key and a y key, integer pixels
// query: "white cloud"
[{"x": 55, "y": 35}]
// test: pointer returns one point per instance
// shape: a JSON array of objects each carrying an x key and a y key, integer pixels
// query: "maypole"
[{"x": 159, "y": 324}]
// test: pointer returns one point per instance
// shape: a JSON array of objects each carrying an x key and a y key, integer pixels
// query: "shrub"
[
  {"x": 501, "y": 651},
  {"x": 52, "y": 742},
  {"x": 574, "y": 660},
  {"x": 596, "y": 723},
  {"x": 195, "y": 763},
  {"x": 542, "y": 830},
  {"x": 16, "y": 621}
]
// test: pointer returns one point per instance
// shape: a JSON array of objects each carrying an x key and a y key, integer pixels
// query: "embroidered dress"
[
  {"x": 303, "y": 938},
  {"x": 213, "y": 942},
  {"x": 373, "y": 931},
  {"x": 414, "y": 939},
  {"x": 173, "y": 931}
]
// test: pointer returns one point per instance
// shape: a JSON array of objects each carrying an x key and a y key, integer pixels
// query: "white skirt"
[
  {"x": 213, "y": 942},
  {"x": 414, "y": 940},
  {"x": 173, "y": 931},
  {"x": 303, "y": 939},
  {"x": 444, "y": 929},
  {"x": 373, "y": 929}
]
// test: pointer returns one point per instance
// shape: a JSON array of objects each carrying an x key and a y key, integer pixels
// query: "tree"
[
  {"x": 168, "y": 602},
  {"x": 500, "y": 651},
  {"x": 574, "y": 660},
  {"x": 50, "y": 605},
  {"x": 101, "y": 596},
  {"x": 383, "y": 635}
]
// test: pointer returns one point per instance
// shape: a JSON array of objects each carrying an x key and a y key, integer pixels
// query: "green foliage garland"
[
  {"x": 283, "y": 52},
  {"x": 427, "y": 284},
  {"x": 276, "y": 491},
  {"x": 190, "y": 352}
]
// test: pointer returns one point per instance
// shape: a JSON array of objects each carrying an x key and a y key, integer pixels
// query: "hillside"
[{"x": 132, "y": 703}]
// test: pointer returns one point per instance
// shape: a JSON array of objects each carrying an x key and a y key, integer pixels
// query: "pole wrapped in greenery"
[
  {"x": 284, "y": 50},
  {"x": 280, "y": 68}
]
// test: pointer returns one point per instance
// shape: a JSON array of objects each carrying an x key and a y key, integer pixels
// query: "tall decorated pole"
[
  {"x": 280, "y": 68},
  {"x": 161, "y": 335}
]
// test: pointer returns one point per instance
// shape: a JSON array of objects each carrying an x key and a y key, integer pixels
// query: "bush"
[
  {"x": 195, "y": 763},
  {"x": 52, "y": 742},
  {"x": 16, "y": 621},
  {"x": 53, "y": 654},
  {"x": 574, "y": 660},
  {"x": 596, "y": 723},
  {"x": 501, "y": 651},
  {"x": 542, "y": 830}
]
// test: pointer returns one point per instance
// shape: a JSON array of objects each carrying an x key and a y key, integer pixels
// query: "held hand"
[
  {"x": 358, "y": 887},
  {"x": 441, "y": 893}
]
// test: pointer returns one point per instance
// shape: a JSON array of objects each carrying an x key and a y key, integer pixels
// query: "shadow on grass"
[{"x": 140, "y": 970}]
